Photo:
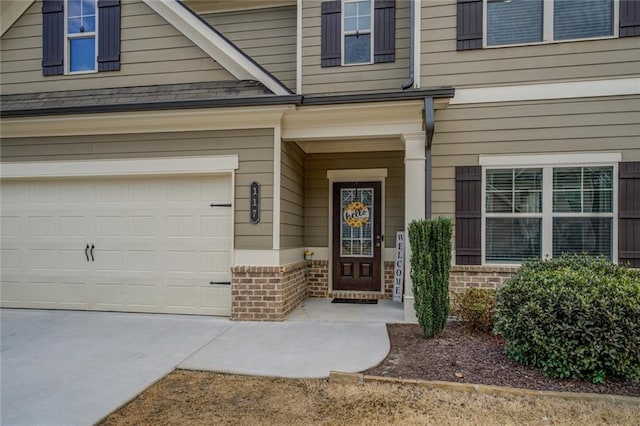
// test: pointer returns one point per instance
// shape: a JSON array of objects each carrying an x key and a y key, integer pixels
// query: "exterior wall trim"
[
  {"x": 550, "y": 159},
  {"x": 532, "y": 92},
  {"x": 137, "y": 167},
  {"x": 267, "y": 257}
]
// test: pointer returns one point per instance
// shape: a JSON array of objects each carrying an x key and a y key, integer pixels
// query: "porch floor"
[{"x": 321, "y": 309}]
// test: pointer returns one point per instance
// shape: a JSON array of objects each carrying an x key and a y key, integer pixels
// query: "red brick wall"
[
  {"x": 267, "y": 293},
  {"x": 318, "y": 283},
  {"x": 485, "y": 276}
]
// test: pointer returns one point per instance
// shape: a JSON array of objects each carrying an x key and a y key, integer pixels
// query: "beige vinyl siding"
[
  {"x": 253, "y": 147},
  {"x": 565, "y": 126},
  {"x": 292, "y": 196},
  {"x": 442, "y": 65},
  {"x": 267, "y": 35},
  {"x": 316, "y": 197},
  {"x": 352, "y": 78},
  {"x": 152, "y": 52}
]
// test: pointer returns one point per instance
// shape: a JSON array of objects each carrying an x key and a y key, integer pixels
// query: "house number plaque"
[{"x": 254, "y": 208}]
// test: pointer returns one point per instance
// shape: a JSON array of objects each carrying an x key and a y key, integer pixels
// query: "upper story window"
[
  {"x": 535, "y": 21},
  {"x": 497, "y": 23},
  {"x": 81, "y": 36},
  {"x": 357, "y": 32},
  {"x": 356, "y": 29}
]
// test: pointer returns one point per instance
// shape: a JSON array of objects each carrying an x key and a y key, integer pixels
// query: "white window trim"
[
  {"x": 68, "y": 37},
  {"x": 343, "y": 34},
  {"x": 547, "y": 27},
  {"x": 548, "y": 162}
]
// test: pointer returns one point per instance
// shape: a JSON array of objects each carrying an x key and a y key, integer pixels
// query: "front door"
[{"x": 357, "y": 237}]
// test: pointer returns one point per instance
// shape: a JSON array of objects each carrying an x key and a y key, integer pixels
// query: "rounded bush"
[
  {"x": 476, "y": 308},
  {"x": 574, "y": 316}
]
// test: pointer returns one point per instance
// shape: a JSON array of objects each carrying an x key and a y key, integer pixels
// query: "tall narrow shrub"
[{"x": 430, "y": 242}]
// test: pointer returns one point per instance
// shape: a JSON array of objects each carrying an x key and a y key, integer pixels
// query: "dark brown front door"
[{"x": 357, "y": 238}]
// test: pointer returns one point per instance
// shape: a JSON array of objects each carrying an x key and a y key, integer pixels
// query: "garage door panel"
[
  {"x": 110, "y": 226},
  {"x": 73, "y": 226},
  {"x": 10, "y": 225},
  {"x": 157, "y": 244},
  {"x": 143, "y": 261},
  {"x": 182, "y": 226}
]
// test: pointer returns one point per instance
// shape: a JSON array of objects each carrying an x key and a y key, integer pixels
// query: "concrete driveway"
[{"x": 74, "y": 368}]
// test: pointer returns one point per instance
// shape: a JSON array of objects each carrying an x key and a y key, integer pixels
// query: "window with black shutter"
[
  {"x": 629, "y": 214},
  {"x": 468, "y": 215},
  {"x": 75, "y": 46},
  {"x": 542, "y": 21},
  {"x": 357, "y": 32}
]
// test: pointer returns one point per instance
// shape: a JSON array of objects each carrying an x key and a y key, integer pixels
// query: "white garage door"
[{"x": 153, "y": 244}]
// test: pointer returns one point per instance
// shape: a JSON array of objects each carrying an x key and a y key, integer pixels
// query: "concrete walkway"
[{"x": 68, "y": 368}]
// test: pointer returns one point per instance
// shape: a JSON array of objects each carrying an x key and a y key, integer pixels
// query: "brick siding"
[
  {"x": 485, "y": 276},
  {"x": 267, "y": 293}
]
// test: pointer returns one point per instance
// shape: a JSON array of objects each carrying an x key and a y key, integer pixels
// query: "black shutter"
[
  {"x": 468, "y": 215},
  {"x": 629, "y": 214},
  {"x": 108, "y": 35},
  {"x": 384, "y": 27},
  {"x": 52, "y": 37},
  {"x": 469, "y": 24},
  {"x": 629, "y": 18},
  {"x": 330, "y": 33}
]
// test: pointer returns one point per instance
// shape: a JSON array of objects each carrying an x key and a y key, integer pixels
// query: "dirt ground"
[
  {"x": 459, "y": 356},
  {"x": 195, "y": 398}
]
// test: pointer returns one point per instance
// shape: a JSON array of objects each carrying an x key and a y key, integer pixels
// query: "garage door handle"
[
  {"x": 86, "y": 252},
  {"x": 91, "y": 251},
  {"x": 220, "y": 282}
]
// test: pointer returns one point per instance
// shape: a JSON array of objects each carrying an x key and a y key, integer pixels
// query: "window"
[
  {"x": 81, "y": 35},
  {"x": 357, "y": 26},
  {"x": 546, "y": 211},
  {"x": 511, "y": 22},
  {"x": 357, "y": 32}
]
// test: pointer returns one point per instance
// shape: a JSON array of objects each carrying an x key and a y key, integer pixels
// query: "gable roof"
[
  {"x": 11, "y": 11},
  {"x": 223, "y": 51},
  {"x": 203, "y": 35}
]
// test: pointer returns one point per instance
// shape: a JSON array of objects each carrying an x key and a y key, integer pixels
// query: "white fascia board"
[
  {"x": 11, "y": 12},
  {"x": 184, "y": 120},
  {"x": 135, "y": 167},
  {"x": 532, "y": 92},
  {"x": 550, "y": 159},
  {"x": 214, "y": 45}
]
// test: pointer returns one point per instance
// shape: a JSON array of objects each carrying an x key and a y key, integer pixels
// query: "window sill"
[
  {"x": 81, "y": 72},
  {"x": 542, "y": 43}
]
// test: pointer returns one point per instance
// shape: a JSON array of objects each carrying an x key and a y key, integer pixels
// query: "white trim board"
[
  {"x": 216, "y": 46},
  {"x": 134, "y": 167},
  {"x": 532, "y": 92},
  {"x": 550, "y": 159}
]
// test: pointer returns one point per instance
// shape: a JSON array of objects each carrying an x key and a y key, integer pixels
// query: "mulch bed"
[{"x": 461, "y": 356}]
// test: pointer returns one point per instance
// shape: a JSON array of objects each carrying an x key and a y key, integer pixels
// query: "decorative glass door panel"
[{"x": 357, "y": 239}]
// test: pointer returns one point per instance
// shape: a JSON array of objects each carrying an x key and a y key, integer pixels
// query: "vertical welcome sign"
[{"x": 398, "y": 270}]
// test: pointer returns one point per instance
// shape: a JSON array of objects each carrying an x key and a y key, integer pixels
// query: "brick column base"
[
  {"x": 318, "y": 283},
  {"x": 481, "y": 276},
  {"x": 267, "y": 293}
]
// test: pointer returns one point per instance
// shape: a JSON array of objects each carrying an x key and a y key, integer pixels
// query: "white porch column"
[{"x": 414, "y": 198}]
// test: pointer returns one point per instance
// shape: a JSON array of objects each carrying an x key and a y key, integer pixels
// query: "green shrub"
[
  {"x": 430, "y": 242},
  {"x": 574, "y": 317},
  {"x": 476, "y": 308}
]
